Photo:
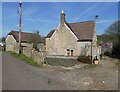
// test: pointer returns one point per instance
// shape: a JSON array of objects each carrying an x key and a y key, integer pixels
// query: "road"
[
  {"x": 20, "y": 76},
  {"x": 0, "y": 70}
]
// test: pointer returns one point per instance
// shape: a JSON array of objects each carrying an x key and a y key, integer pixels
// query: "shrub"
[
  {"x": 84, "y": 59},
  {"x": 116, "y": 50},
  {"x": 107, "y": 53}
]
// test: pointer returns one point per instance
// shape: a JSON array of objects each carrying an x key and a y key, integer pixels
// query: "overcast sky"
[{"x": 44, "y": 16}]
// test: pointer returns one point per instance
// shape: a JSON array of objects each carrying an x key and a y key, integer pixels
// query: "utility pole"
[
  {"x": 96, "y": 17},
  {"x": 20, "y": 25}
]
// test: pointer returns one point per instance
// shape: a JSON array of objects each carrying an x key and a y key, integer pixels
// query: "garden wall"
[
  {"x": 35, "y": 55},
  {"x": 60, "y": 61}
]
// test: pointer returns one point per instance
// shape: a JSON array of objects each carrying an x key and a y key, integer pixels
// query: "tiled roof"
[
  {"x": 25, "y": 37},
  {"x": 82, "y": 30},
  {"x": 50, "y": 33}
]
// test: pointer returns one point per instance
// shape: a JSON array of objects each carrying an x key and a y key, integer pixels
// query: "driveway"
[
  {"x": 102, "y": 77},
  {"x": 20, "y": 76}
]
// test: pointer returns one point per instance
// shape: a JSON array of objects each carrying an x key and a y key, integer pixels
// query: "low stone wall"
[
  {"x": 38, "y": 56},
  {"x": 61, "y": 61},
  {"x": 35, "y": 55},
  {"x": 27, "y": 51}
]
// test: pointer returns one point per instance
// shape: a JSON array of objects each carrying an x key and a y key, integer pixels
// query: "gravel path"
[
  {"x": 20, "y": 76},
  {"x": 102, "y": 77}
]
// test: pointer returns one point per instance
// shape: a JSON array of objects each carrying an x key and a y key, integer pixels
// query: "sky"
[{"x": 45, "y": 16}]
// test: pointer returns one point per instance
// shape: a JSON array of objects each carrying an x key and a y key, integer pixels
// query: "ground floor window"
[{"x": 70, "y": 52}]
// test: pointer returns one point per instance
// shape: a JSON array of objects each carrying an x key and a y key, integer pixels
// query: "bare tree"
[
  {"x": 36, "y": 39},
  {"x": 114, "y": 32}
]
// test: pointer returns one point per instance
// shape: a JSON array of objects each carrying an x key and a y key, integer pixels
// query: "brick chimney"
[{"x": 62, "y": 17}]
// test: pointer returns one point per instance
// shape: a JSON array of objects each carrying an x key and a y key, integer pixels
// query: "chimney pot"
[{"x": 62, "y": 17}]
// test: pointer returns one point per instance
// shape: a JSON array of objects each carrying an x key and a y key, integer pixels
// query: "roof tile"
[
  {"x": 82, "y": 30},
  {"x": 25, "y": 37}
]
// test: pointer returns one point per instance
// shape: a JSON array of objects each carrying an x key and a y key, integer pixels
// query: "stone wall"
[
  {"x": 62, "y": 40},
  {"x": 27, "y": 44},
  {"x": 35, "y": 55},
  {"x": 27, "y": 51},
  {"x": 38, "y": 56},
  {"x": 56, "y": 61},
  {"x": 41, "y": 47}
]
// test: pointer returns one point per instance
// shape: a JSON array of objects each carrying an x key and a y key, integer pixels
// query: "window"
[
  {"x": 72, "y": 52},
  {"x": 68, "y": 52}
]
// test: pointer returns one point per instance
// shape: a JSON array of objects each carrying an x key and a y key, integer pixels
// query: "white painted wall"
[{"x": 81, "y": 46}]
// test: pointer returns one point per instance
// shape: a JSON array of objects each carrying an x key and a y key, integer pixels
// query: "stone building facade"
[
  {"x": 27, "y": 40},
  {"x": 72, "y": 39}
]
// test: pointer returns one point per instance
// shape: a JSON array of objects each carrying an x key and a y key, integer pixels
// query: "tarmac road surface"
[{"x": 20, "y": 76}]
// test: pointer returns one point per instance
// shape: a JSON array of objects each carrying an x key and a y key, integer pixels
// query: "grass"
[
  {"x": 24, "y": 58},
  {"x": 0, "y": 48},
  {"x": 90, "y": 66}
]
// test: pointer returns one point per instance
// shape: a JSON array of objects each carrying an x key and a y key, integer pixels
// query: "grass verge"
[
  {"x": 90, "y": 66},
  {"x": 0, "y": 48},
  {"x": 24, "y": 58}
]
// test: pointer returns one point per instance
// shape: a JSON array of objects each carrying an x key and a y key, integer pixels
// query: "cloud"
[{"x": 87, "y": 11}]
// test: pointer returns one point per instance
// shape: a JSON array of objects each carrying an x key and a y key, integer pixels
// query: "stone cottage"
[
  {"x": 72, "y": 39},
  {"x": 27, "y": 40}
]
